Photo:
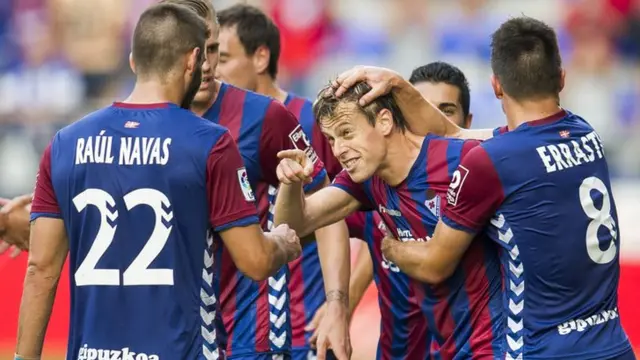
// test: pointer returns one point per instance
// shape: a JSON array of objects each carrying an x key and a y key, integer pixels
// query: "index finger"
[
  {"x": 349, "y": 79},
  {"x": 4, "y": 201},
  {"x": 289, "y": 154}
]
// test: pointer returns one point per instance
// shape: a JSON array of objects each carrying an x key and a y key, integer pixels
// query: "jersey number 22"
[{"x": 138, "y": 272}]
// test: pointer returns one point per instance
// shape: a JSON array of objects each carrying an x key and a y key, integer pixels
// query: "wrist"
[
  {"x": 20, "y": 357},
  {"x": 3, "y": 224},
  {"x": 337, "y": 297}
]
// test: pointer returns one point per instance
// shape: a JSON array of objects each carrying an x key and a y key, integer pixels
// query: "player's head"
[
  {"x": 526, "y": 62},
  {"x": 359, "y": 136},
  {"x": 447, "y": 88},
  {"x": 167, "y": 47},
  {"x": 205, "y": 11},
  {"x": 249, "y": 46}
]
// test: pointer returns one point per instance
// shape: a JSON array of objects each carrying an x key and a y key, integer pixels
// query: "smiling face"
[{"x": 356, "y": 143}]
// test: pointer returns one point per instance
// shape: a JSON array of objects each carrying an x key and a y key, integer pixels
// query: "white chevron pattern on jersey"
[
  {"x": 279, "y": 326},
  {"x": 208, "y": 303},
  {"x": 514, "y": 287}
]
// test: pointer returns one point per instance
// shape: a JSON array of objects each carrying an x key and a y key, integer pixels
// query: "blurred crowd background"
[{"x": 60, "y": 59}]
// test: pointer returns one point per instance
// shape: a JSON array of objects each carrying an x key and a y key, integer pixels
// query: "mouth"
[
  {"x": 350, "y": 164},
  {"x": 206, "y": 82}
]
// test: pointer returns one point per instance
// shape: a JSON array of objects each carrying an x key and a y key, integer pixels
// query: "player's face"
[
  {"x": 359, "y": 146},
  {"x": 447, "y": 98},
  {"x": 207, "y": 88},
  {"x": 235, "y": 66}
]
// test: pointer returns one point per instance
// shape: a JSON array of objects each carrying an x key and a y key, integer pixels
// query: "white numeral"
[
  {"x": 138, "y": 272},
  {"x": 599, "y": 217}
]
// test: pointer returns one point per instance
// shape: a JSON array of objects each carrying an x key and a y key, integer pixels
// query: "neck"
[
  {"x": 200, "y": 108},
  {"x": 522, "y": 112},
  {"x": 402, "y": 152},
  {"x": 268, "y": 86},
  {"x": 153, "y": 91}
]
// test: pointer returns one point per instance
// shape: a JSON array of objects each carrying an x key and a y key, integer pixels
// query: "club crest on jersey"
[
  {"x": 243, "y": 179},
  {"x": 131, "y": 125},
  {"x": 433, "y": 203}
]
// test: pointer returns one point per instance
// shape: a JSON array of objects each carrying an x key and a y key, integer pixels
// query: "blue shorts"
[{"x": 309, "y": 354}]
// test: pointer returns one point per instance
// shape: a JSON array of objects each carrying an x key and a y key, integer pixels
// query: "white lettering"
[
  {"x": 391, "y": 212},
  {"x": 87, "y": 353},
  {"x": 571, "y": 153},
  {"x": 133, "y": 150},
  {"x": 581, "y": 325}
]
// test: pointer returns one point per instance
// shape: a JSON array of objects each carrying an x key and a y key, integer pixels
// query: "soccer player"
[
  {"x": 448, "y": 89},
  {"x": 402, "y": 177},
  {"x": 249, "y": 53},
  {"x": 543, "y": 192},
  {"x": 255, "y": 320},
  {"x": 132, "y": 191}
]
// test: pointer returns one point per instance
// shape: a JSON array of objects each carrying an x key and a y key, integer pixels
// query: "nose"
[
  {"x": 206, "y": 66},
  {"x": 339, "y": 148}
]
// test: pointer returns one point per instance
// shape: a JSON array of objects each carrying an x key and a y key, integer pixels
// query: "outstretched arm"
[{"x": 422, "y": 116}]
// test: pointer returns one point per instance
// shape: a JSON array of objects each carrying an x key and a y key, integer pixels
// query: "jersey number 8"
[
  {"x": 599, "y": 217},
  {"x": 138, "y": 272}
]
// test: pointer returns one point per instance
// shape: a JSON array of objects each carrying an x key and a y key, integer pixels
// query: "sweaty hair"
[
  {"x": 164, "y": 33},
  {"x": 442, "y": 72},
  {"x": 327, "y": 106},
  {"x": 526, "y": 60},
  {"x": 204, "y": 8},
  {"x": 254, "y": 29}
]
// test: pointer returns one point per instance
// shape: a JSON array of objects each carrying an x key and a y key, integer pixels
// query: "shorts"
[
  {"x": 309, "y": 354},
  {"x": 267, "y": 356}
]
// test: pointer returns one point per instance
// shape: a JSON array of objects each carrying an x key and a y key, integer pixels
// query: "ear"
[
  {"x": 562, "y": 75},
  {"x": 132, "y": 64},
  {"x": 193, "y": 61},
  {"x": 497, "y": 88},
  {"x": 384, "y": 122},
  {"x": 468, "y": 120},
  {"x": 261, "y": 60}
]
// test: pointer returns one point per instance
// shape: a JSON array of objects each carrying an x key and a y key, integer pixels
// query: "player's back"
[
  {"x": 404, "y": 333},
  {"x": 558, "y": 225},
  {"x": 137, "y": 223}
]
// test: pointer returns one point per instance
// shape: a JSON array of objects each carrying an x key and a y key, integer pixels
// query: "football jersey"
[
  {"x": 464, "y": 313},
  {"x": 544, "y": 190},
  {"x": 138, "y": 188},
  {"x": 404, "y": 334},
  {"x": 255, "y": 315}
]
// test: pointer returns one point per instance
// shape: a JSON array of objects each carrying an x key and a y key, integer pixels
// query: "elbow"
[{"x": 42, "y": 274}]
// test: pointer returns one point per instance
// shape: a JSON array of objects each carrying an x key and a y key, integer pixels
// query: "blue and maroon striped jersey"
[
  {"x": 464, "y": 313},
  {"x": 404, "y": 333},
  {"x": 138, "y": 187},
  {"x": 544, "y": 191},
  {"x": 256, "y": 315}
]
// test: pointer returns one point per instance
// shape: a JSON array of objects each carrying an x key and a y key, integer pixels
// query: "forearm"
[
  {"x": 35, "y": 310},
  {"x": 361, "y": 277},
  {"x": 417, "y": 261},
  {"x": 334, "y": 253},
  {"x": 278, "y": 254},
  {"x": 290, "y": 208},
  {"x": 422, "y": 116}
]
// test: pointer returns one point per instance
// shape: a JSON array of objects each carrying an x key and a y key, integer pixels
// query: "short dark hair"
[
  {"x": 442, "y": 72},
  {"x": 327, "y": 104},
  {"x": 204, "y": 8},
  {"x": 525, "y": 59},
  {"x": 163, "y": 34},
  {"x": 254, "y": 29}
]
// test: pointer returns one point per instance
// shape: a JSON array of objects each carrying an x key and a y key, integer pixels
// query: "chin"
[
  {"x": 203, "y": 96},
  {"x": 358, "y": 176}
]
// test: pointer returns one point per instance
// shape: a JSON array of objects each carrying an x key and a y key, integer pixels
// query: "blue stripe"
[
  {"x": 496, "y": 306},
  {"x": 214, "y": 111},
  {"x": 45, "y": 215},
  {"x": 313, "y": 284},
  {"x": 254, "y": 109},
  {"x": 454, "y": 154},
  {"x": 245, "y": 221},
  {"x": 245, "y": 323},
  {"x": 316, "y": 182},
  {"x": 306, "y": 120}
]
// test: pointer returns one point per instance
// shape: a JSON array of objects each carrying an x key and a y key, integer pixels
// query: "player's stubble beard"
[{"x": 193, "y": 87}]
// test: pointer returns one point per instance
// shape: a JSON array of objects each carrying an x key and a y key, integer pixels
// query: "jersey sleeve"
[
  {"x": 45, "y": 203},
  {"x": 281, "y": 131},
  {"x": 475, "y": 192},
  {"x": 230, "y": 197},
  {"x": 343, "y": 181}
]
